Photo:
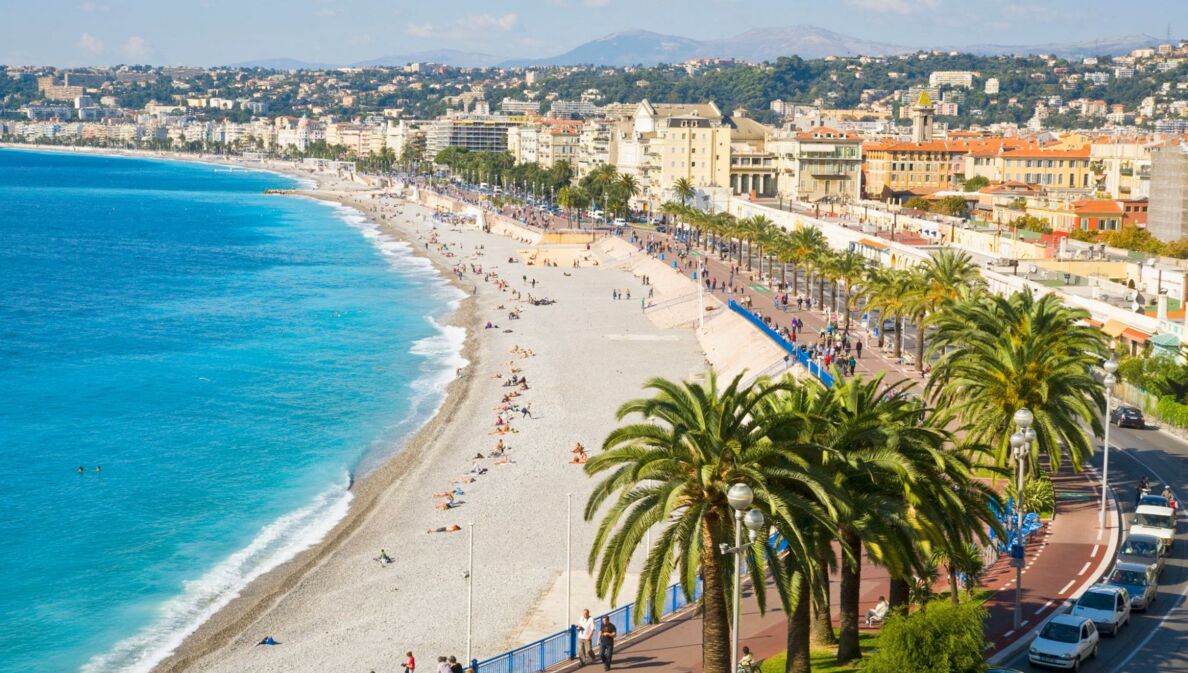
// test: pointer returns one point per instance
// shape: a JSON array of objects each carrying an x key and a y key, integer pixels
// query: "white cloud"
[
  {"x": 94, "y": 7},
  {"x": 419, "y": 29},
  {"x": 90, "y": 43},
  {"x": 894, "y": 6},
  {"x": 469, "y": 27},
  {"x": 135, "y": 48},
  {"x": 481, "y": 23}
]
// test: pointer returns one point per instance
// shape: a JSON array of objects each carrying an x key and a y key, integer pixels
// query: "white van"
[{"x": 1157, "y": 521}]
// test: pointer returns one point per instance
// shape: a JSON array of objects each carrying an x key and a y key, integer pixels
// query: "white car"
[
  {"x": 1157, "y": 521},
  {"x": 1108, "y": 607},
  {"x": 1064, "y": 642},
  {"x": 620, "y": 222}
]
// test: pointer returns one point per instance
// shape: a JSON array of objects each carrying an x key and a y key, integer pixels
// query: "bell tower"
[{"x": 922, "y": 113}]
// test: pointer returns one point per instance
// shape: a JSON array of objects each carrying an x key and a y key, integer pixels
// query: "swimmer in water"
[{"x": 81, "y": 469}]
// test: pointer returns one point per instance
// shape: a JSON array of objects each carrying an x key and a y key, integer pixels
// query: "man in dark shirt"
[
  {"x": 606, "y": 642},
  {"x": 455, "y": 667}
]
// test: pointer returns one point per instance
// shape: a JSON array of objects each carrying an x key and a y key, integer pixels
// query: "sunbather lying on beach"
[{"x": 452, "y": 528}]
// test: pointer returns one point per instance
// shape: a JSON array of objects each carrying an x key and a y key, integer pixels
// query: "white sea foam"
[{"x": 180, "y": 616}]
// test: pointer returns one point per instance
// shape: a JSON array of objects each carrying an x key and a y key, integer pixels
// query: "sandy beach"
[{"x": 335, "y": 607}]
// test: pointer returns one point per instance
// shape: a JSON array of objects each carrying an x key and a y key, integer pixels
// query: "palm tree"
[
  {"x": 850, "y": 268},
  {"x": 804, "y": 243},
  {"x": 946, "y": 275},
  {"x": 673, "y": 469},
  {"x": 764, "y": 231},
  {"x": 891, "y": 293},
  {"x": 997, "y": 354},
  {"x": 684, "y": 190},
  {"x": 629, "y": 185}
]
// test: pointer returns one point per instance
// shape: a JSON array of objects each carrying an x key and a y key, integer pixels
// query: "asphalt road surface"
[{"x": 1156, "y": 640}]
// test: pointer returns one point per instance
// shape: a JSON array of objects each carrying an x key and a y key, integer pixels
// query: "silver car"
[
  {"x": 1144, "y": 550},
  {"x": 1138, "y": 580}
]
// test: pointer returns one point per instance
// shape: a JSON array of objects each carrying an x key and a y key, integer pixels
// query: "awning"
[
  {"x": 873, "y": 244},
  {"x": 1113, "y": 328},
  {"x": 1166, "y": 340},
  {"x": 1135, "y": 335}
]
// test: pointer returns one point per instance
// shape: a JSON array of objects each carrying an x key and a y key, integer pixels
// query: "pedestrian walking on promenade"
[
  {"x": 606, "y": 642},
  {"x": 455, "y": 667},
  {"x": 858, "y": 348},
  {"x": 585, "y": 637},
  {"x": 410, "y": 663}
]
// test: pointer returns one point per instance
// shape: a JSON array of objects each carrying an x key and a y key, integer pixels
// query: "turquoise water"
[{"x": 230, "y": 359}]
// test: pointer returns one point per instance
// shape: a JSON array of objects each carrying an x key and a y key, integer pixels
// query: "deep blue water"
[{"x": 227, "y": 357}]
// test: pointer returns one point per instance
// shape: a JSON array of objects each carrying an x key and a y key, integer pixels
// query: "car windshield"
[
  {"x": 1152, "y": 520},
  {"x": 1097, "y": 600},
  {"x": 1140, "y": 548},
  {"x": 1061, "y": 633},
  {"x": 1130, "y": 577}
]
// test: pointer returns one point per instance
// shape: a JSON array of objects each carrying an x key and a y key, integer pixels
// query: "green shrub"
[
  {"x": 938, "y": 638},
  {"x": 1172, "y": 412},
  {"x": 1038, "y": 494}
]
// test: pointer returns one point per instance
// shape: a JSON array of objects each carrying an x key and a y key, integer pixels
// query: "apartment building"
[
  {"x": 820, "y": 164},
  {"x": 1053, "y": 169},
  {"x": 1168, "y": 215},
  {"x": 961, "y": 78},
  {"x": 1126, "y": 165},
  {"x": 474, "y": 133},
  {"x": 752, "y": 163},
  {"x": 690, "y": 141}
]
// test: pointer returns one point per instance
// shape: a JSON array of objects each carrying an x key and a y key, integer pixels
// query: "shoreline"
[{"x": 365, "y": 485}]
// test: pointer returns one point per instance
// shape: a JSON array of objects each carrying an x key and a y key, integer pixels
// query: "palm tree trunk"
[
  {"x": 953, "y": 587},
  {"x": 715, "y": 629},
  {"x": 798, "y": 632},
  {"x": 848, "y": 648},
  {"x": 821, "y": 630},
  {"x": 820, "y": 291},
  {"x": 898, "y": 337},
  {"x": 848, "y": 311},
  {"x": 796, "y": 280},
  {"x": 920, "y": 344},
  {"x": 897, "y": 594}
]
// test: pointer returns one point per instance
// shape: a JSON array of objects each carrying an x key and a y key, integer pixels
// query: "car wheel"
[{"x": 1076, "y": 664}]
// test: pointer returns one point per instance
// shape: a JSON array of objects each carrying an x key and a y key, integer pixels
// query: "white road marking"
[
  {"x": 1008, "y": 634},
  {"x": 1083, "y": 569},
  {"x": 1093, "y": 553},
  {"x": 1045, "y": 606},
  {"x": 1066, "y": 587}
]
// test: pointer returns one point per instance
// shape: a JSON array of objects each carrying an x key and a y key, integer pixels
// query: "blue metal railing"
[
  {"x": 562, "y": 646},
  {"x": 795, "y": 351}
]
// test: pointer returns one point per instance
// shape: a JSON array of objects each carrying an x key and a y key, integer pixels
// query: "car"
[
  {"x": 1142, "y": 549},
  {"x": 1139, "y": 581},
  {"x": 1064, "y": 642},
  {"x": 620, "y": 222},
  {"x": 1151, "y": 499},
  {"x": 1157, "y": 521},
  {"x": 1127, "y": 416},
  {"x": 888, "y": 325},
  {"x": 1107, "y": 605},
  {"x": 660, "y": 229},
  {"x": 999, "y": 669}
]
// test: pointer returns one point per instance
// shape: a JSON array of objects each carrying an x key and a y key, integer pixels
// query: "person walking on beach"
[
  {"x": 455, "y": 667},
  {"x": 443, "y": 666},
  {"x": 606, "y": 642},
  {"x": 410, "y": 663},
  {"x": 585, "y": 637}
]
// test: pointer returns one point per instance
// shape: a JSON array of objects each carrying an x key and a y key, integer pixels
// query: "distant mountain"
[
  {"x": 1110, "y": 46},
  {"x": 768, "y": 44},
  {"x": 636, "y": 47},
  {"x": 282, "y": 64},
  {"x": 451, "y": 57},
  {"x": 642, "y": 47}
]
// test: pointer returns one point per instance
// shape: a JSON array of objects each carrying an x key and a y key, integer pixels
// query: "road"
[{"x": 1158, "y": 639}]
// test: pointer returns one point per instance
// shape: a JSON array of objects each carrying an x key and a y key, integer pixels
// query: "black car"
[{"x": 1127, "y": 417}]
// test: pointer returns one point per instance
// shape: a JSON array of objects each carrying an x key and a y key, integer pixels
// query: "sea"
[{"x": 192, "y": 372}]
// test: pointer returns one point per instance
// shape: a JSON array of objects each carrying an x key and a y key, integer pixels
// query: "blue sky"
[{"x": 207, "y": 32}]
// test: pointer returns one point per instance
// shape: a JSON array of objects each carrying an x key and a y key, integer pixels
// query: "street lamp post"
[
  {"x": 1020, "y": 441},
  {"x": 740, "y": 496},
  {"x": 470, "y": 593},
  {"x": 1110, "y": 379}
]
